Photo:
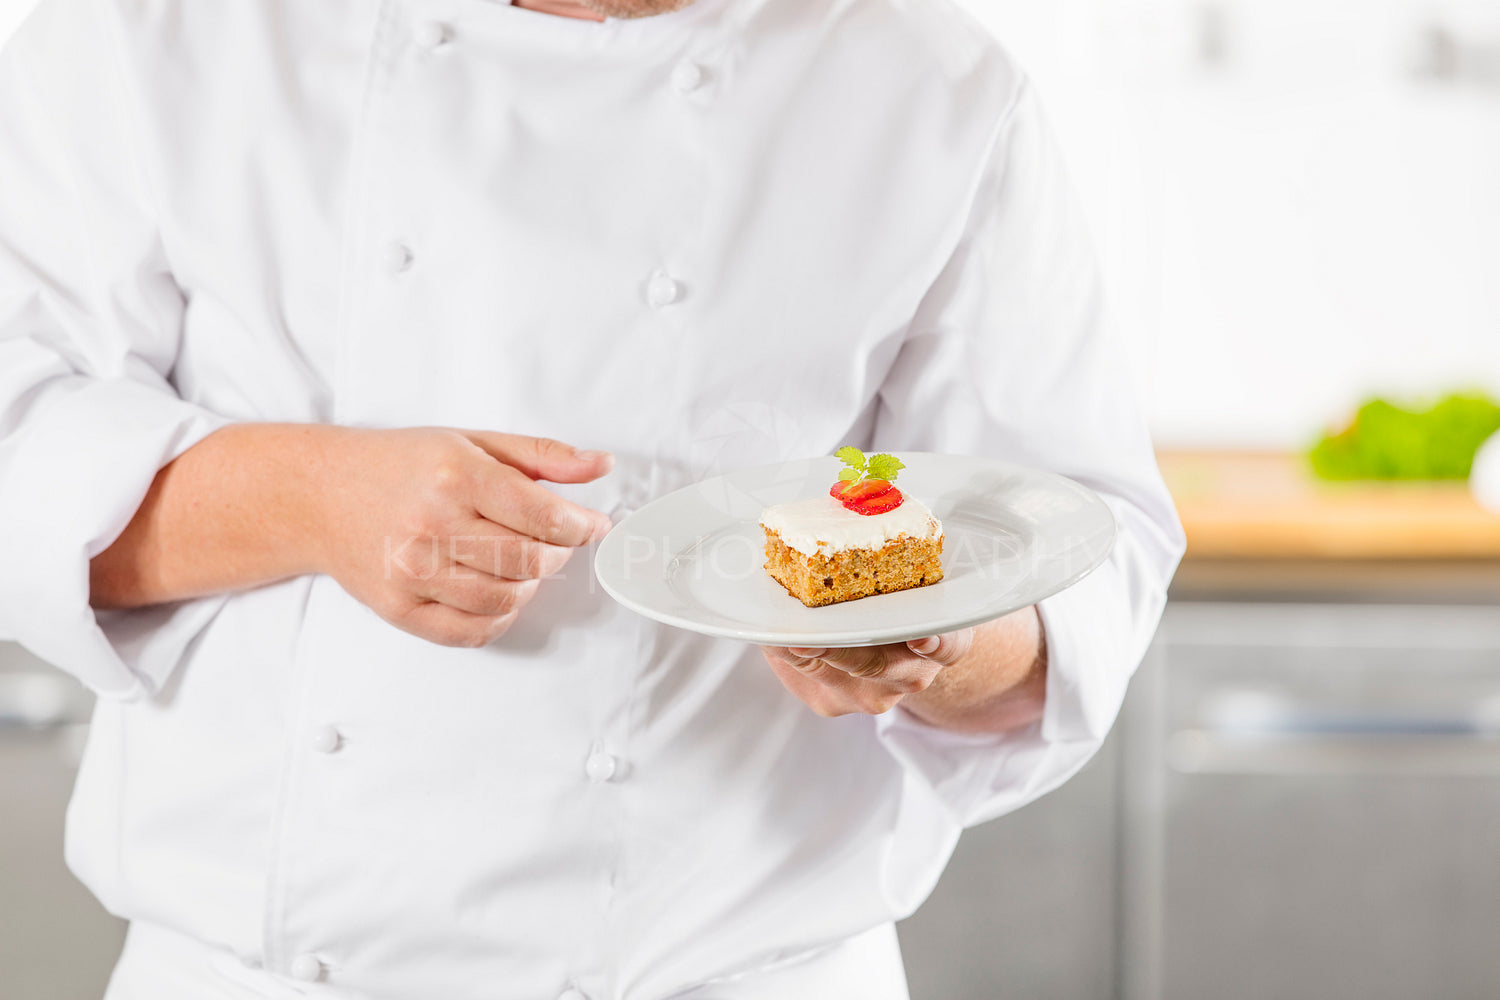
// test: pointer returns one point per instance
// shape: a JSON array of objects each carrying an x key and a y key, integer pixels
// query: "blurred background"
[{"x": 1298, "y": 206}]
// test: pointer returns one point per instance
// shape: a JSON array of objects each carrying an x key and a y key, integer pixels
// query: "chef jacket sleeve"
[
  {"x": 1009, "y": 357},
  {"x": 90, "y": 319}
]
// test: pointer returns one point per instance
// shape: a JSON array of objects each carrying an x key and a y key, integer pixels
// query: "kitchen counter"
[
  {"x": 1256, "y": 505},
  {"x": 1260, "y": 521}
]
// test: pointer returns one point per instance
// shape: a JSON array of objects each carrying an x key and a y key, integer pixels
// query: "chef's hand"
[
  {"x": 866, "y": 679},
  {"x": 445, "y": 533},
  {"x": 990, "y": 678}
]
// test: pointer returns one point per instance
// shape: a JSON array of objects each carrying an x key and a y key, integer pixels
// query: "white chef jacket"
[{"x": 746, "y": 232}]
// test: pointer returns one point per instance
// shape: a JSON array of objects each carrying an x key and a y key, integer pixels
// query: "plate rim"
[{"x": 847, "y": 638}]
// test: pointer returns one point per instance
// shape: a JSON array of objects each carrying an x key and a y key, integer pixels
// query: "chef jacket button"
[
  {"x": 307, "y": 968},
  {"x": 687, "y": 77},
  {"x": 662, "y": 291},
  {"x": 325, "y": 739},
  {"x": 572, "y": 995},
  {"x": 397, "y": 257},
  {"x": 430, "y": 34},
  {"x": 600, "y": 767}
]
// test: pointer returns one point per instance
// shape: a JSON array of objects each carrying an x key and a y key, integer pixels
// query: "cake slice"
[{"x": 862, "y": 538}]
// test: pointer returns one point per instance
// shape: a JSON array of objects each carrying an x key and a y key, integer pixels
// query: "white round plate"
[{"x": 695, "y": 558}]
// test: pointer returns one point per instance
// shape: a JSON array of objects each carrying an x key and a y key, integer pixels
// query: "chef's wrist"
[
  {"x": 288, "y": 474},
  {"x": 246, "y": 505},
  {"x": 316, "y": 504}
]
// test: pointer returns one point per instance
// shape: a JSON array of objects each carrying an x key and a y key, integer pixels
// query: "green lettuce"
[{"x": 1388, "y": 441}]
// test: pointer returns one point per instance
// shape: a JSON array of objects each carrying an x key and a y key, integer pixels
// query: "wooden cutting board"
[{"x": 1268, "y": 505}]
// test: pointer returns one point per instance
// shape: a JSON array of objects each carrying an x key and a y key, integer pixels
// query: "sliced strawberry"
[
  {"x": 866, "y": 489},
  {"x": 879, "y": 504}
]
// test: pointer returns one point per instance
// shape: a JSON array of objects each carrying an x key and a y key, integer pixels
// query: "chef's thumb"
[
  {"x": 946, "y": 649},
  {"x": 544, "y": 458}
]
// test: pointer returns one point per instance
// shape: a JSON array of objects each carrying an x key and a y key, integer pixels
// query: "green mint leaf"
[
  {"x": 885, "y": 467},
  {"x": 848, "y": 475},
  {"x": 852, "y": 457}
]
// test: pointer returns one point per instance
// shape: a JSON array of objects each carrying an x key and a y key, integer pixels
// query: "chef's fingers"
[
  {"x": 892, "y": 666},
  {"x": 819, "y": 697},
  {"x": 544, "y": 458},
  {"x": 829, "y": 691},
  {"x": 508, "y": 498},
  {"x": 479, "y": 594},
  {"x": 858, "y": 661},
  {"x": 449, "y": 626},
  {"x": 488, "y": 548}
]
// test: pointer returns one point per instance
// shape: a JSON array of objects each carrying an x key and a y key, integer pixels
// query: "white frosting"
[{"x": 823, "y": 526}]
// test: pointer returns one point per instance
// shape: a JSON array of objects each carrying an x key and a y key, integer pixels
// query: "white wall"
[{"x": 1295, "y": 224}]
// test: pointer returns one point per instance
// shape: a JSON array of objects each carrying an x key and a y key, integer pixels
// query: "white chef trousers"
[{"x": 158, "y": 964}]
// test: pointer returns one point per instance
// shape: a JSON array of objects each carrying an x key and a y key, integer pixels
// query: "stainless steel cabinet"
[
  {"x": 1327, "y": 819},
  {"x": 1300, "y": 801},
  {"x": 56, "y": 943}
]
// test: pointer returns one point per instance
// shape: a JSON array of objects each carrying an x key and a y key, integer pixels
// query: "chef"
[{"x": 330, "y": 331}]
